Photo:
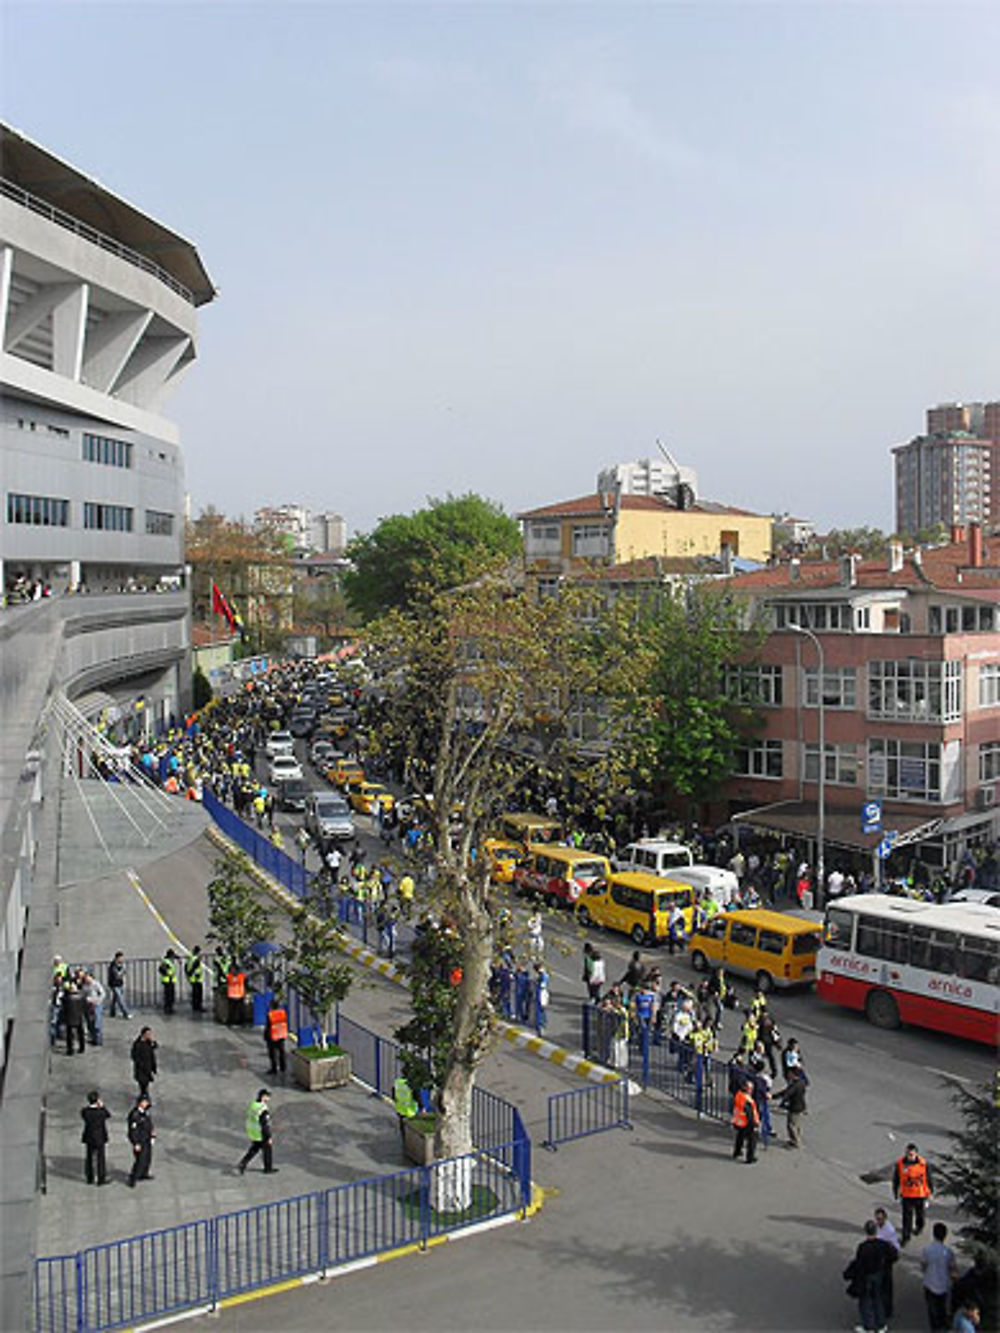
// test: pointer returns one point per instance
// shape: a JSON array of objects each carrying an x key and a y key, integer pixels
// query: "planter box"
[
  {"x": 418, "y": 1144},
  {"x": 331, "y": 1070}
]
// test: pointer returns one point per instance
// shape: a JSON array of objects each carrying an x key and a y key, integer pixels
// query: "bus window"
[
  {"x": 882, "y": 939},
  {"x": 743, "y": 934},
  {"x": 771, "y": 941},
  {"x": 837, "y": 934},
  {"x": 978, "y": 960},
  {"x": 933, "y": 950}
]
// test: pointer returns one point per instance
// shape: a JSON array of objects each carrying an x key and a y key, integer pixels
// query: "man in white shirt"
[
  {"x": 834, "y": 884},
  {"x": 937, "y": 1263}
]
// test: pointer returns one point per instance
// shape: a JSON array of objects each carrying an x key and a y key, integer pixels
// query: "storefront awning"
[{"x": 842, "y": 825}]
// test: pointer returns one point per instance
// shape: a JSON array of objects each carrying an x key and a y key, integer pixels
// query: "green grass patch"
[
  {"x": 321, "y": 1052},
  {"x": 484, "y": 1204},
  {"x": 424, "y": 1122}
]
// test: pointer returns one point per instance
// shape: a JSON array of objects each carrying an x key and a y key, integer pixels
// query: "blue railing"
[
  {"x": 674, "y": 1068},
  {"x": 591, "y": 1110},
  {"x": 198, "y": 1265},
  {"x": 271, "y": 859}
]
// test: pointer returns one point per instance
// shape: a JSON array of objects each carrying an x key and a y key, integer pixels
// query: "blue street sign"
[
  {"x": 871, "y": 816},
  {"x": 884, "y": 849}
]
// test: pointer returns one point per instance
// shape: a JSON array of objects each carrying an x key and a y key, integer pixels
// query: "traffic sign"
[
  {"x": 871, "y": 816},
  {"x": 884, "y": 849}
]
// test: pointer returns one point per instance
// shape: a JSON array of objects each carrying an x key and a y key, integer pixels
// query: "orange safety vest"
[
  {"x": 743, "y": 1104},
  {"x": 277, "y": 1024},
  {"x": 236, "y": 985},
  {"x": 913, "y": 1179}
]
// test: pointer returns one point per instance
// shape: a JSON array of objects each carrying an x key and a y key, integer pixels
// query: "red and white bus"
[{"x": 903, "y": 961}]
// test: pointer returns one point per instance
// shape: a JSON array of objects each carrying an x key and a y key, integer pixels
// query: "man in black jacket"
[
  {"x": 144, "y": 1060},
  {"x": 74, "y": 1011},
  {"x": 793, "y": 1099},
  {"x": 141, "y": 1136},
  {"x": 95, "y": 1116},
  {"x": 866, "y": 1274}
]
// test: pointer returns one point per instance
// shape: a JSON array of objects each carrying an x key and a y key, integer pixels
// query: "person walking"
[
  {"x": 404, "y": 1103},
  {"x": 258, "y": 1126},
  {"x": 168, "y": 979},
  {"x": 94, "y": 996},
  {"x": 194, "y": 970},
  {"x": 541, "y": 998},
  {"x": 939, "y": 1269},
  {"x": 275, "y": 1034},
  {"x": 793, "y": 1099},
  {"x": 887, "y": 1232},
  {"x": 745, "y": 1120},
  {"x": 144, "y": 1060},
  {"x": 141, "y": 1135},
  {"x": 913, "y": 1185},
  {"x": 95, "y": 1116},
  {"x": 865, "y": 1273}
]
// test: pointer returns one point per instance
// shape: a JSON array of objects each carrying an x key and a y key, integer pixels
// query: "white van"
[
  {"x": 722, "y": 884},
  {"x": 655, "y": 856}
]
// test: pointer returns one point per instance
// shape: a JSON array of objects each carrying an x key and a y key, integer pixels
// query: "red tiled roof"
[
  {"x": 601, "y": 503},
  {"x": 941, "y": 567},
  {"x": 207, "y": 636}
]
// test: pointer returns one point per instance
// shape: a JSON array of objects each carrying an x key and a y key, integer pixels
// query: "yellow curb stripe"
[{"x": 274, "y": 1290}]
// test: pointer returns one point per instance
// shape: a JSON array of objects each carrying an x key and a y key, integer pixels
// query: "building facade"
[
  {"x": 951, "y": 474},
  {"x": 648, "y": 476},
  {"x": 910, "y": 693},
  {"x": 98, "y": 316}
]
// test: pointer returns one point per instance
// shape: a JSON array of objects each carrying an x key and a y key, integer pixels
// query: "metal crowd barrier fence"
[
  {"x": 659, "y": 1061},
  {"x": 591, "y": 1110},
  {"x": 271, "y": 859},
  {"x": 195, "y": 1266}
]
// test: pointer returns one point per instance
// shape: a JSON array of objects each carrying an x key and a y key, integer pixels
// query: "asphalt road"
[{"x": 871, "y": 1091}]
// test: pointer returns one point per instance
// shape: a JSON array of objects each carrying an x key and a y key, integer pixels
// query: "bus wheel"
[
  {"x": 881, "y": 1010},
  {"x": 765, "y": 982},
  {"x": 638, "y": 935},
  {"x": 698, "y": 961},
  {"x": 583, "y": 916}
]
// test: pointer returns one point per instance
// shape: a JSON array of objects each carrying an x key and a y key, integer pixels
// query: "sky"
[{"x": 494, "y": 248}]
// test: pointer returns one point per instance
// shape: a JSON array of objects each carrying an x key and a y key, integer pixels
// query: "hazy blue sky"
[{"x": 495, "y": 247}]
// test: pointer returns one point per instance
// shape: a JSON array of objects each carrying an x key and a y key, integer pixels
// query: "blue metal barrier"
[
  {"x": 199, "y": 1264},
  {"x": 583, "y": 1111}
]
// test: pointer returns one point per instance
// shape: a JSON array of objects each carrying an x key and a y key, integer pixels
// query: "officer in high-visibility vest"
[
  {"x": 275, "y": 1033},
  {"x": 168, "y": 979},
  {"x": 913, "y": 1184},
  {"x": 405, "y": 1103},
  {"x": 258, "y": 1125},
  {"x": 194, "y": 970},
  {"x": 236, "y": 989},
  {"x": 745, "y": 1120}
]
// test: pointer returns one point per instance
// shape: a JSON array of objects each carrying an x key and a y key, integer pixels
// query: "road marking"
[
  {"x": 959, "y": 1078},
  {"x": 807, "y": 1027},
  {"x": 133, "y": 879}
]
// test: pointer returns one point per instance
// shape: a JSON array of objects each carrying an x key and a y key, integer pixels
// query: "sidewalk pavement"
[{"x": 654, "y": 1228}]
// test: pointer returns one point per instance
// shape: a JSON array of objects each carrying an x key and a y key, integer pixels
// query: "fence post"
[
  {"x": 644, "y": 1031},
  {"x": 586, "y": 1031},
  {"x": 425, "y": 1206},
  {"x": 81, "y": 1294},
  {"x": 378, "y": 1064},
  {"x": 324, "y": 1233},
  {"x": 699, "y": 1079},
  {"x": 625, "y": 1122},
  {"x": 213, "y": 1262}
]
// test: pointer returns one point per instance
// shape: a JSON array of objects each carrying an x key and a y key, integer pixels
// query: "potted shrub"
[
  {"x": 313, "y": 967},
  {"x": 418, "y": 1138},
  {"x": 237, "y": 920}
]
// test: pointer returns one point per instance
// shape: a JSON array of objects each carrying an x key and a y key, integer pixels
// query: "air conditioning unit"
[{"x": 986, "y": 797}]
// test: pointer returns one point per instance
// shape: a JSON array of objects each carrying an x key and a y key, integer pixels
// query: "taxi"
[
  {"x": 345, "y": 771},
  {"x": 503, "y": 857},
  {"x": 366, "y": 797}
]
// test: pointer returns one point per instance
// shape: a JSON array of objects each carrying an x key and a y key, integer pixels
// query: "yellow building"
[{"x": 564, "y": 537}]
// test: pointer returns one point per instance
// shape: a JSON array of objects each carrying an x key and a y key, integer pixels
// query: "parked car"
[
  {"x": 280, "y": 742},
  {"x": 321, "y": 753},
  {"x": 655, "y": 856},
  {"x": 636, "y": 904},
  {"x": 329, "y": 816},
  {"x": 302, "y": 723},
  {"x": 284, "y": 767},
  {"x": 721, "y": 884},
  {"x": 291, "y": 794},
  {"x": 558, "y": 874},
  {"x": 988, "y": 897},
  {"x": 774, "y": 948}
]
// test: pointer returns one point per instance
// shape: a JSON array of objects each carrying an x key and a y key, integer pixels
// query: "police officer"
[
  {"x": 745, "y": 1120},
  {"x": 913, "y": 1184},
  {"x": 168, "y": 979},
  {"x": 405, "y": 1103},
  {"x": 141, "y": 1136},
  {"x": 194, "y": 970},
  {"x": 258, "y": 1126}
]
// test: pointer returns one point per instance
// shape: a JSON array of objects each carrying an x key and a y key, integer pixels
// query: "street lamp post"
[{"x": 821, "y": 795}]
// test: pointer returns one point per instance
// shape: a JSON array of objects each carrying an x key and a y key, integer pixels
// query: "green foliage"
[
  {"x": 201, "y": 690},
  {"x": 972, "y": 1170},
  {"x": 441, "y": 546},
  {"x": 425, "y": 1041},
  {"x": 870, "y": 543},
  {"x": 313, "y": 965},
  {"x": 237, "y": 918}
]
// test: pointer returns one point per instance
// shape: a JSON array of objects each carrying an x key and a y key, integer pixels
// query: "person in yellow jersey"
[
  {"x": 405, "y": 1104},
  {"x": 258, "y": 1127},
  {"x": 405, "y": 891}
]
